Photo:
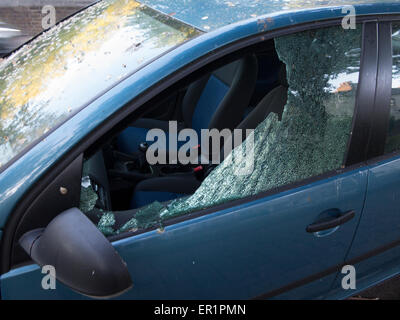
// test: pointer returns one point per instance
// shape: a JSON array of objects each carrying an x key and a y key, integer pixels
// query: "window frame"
[
  {"x": 357, "y": 148},
  {"x": 117, "y": 119},
  {"x": 381, "y": 114}
]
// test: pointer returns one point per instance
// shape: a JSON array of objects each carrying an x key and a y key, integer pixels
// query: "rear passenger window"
[{"x": 393, "y": 137}]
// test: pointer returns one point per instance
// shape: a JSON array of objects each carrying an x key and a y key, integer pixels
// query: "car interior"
[
  {"x": 299, "y": 132},
  {"x": 237, "y": 94}
]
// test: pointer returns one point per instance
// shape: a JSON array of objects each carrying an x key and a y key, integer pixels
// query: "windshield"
[{"x": 48, "y": 79}]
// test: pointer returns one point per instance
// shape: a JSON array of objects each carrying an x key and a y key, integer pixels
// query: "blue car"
[{"x": 109, "y": 120}]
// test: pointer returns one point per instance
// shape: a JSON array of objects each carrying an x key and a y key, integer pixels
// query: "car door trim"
[
  {"x": 381, "y": 109},
  {"x": 365, "y": 96}
]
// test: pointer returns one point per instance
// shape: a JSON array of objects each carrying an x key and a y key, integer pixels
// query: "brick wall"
[{"x": 29, "y": 18}]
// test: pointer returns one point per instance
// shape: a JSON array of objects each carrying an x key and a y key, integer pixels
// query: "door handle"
[{"x": 331, "y": 223}]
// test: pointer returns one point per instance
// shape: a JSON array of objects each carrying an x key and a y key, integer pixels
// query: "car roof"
[{"x": 212, "y": 14}]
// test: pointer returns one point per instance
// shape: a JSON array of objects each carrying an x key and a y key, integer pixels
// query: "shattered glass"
[
  {"x": 55, "y": 74},
  {"x": 88, "y": 201},
  {"x": 145, "y": 217},
  {"x": 106, "y": 223},
  {"x": 89, "y": 196},
  {"x": 322, "y": 71},
  {"x": 393, "y": 136}
]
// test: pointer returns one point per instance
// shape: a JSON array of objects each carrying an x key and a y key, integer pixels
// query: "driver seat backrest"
[
  {"x": 217, "y": 100},
  {"x": 274, "y": 102}
]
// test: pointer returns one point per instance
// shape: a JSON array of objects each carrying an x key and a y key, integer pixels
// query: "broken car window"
[{"x": 322, "y": 69}]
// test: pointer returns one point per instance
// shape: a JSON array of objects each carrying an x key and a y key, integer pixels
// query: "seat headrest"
[{"x": 229, "y": 72}]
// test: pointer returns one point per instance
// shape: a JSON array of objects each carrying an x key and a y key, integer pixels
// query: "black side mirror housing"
[{"x": 83, "y": 258}]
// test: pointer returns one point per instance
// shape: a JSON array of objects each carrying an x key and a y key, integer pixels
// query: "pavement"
[{"x": 387, "y": 290}]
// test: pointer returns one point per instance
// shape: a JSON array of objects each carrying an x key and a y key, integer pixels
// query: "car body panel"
[
  {"x": 195, "y": 259},
  {"x": 377, "y": 237},
  {"x": 381, "y": 221},
  {"x": 210, "y": 15}
]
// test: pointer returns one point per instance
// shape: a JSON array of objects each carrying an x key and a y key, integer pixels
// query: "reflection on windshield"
[
  {"x": 64, "y": 68},
  {"x": 310, "y": 139}
]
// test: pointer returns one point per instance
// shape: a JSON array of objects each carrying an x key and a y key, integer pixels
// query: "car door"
[
  {"x": 289, "y": 238},
  {"x": 259, "y": 249},
  {"x": 375, "y": 252}
]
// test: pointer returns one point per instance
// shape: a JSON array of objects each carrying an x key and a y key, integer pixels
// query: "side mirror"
[{"x": 83, "y": 258}]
